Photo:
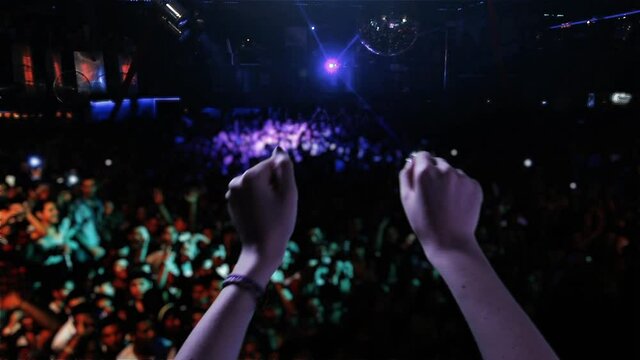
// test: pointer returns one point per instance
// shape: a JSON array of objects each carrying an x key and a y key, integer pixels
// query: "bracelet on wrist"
[{"x": 245, "y": 283}]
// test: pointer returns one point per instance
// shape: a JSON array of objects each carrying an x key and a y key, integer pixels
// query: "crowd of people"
[
  {"x": 252, "y": 137},
  {"x": 84, "y": 275}
]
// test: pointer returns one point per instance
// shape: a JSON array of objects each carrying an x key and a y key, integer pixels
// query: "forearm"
[
  {"x": 165, "y": 213},
  {"x": 500, "y": 326},
  {"x": 37, "y": 225},
  {"x": 220, "y": 333},
  {"x": 40, "y": 316},
  {"x": 69, "y": 351},
  {"x": 193, "y": 215}
]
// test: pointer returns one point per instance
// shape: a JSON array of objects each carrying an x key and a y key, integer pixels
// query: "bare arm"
[
  {"x": 263, "y": 206},
  {"x": 158, "y": 199},
  {"x": 13, "y": 300},
  {"x": 192, "y": 198},
  {"x": 443, "y": 207}
]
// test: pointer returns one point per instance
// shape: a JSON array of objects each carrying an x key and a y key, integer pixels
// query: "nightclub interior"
[{"x": 132, "y": 133}]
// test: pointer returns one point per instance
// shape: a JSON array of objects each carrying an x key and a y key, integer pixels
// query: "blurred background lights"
[{"x": 35, "y": 161}]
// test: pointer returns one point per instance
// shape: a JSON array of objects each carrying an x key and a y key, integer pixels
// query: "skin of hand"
[
  {"x": 443, "y": 208},
  {"x": 263, "y": 206},
  {"x": 442, "y": 203},
  {"x": 158, "y": 196},
  {"x": 192, "y": 196}
]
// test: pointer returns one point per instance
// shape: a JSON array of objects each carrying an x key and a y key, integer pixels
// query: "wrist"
[
  {"x": 444, "y": 252},
  {"x": 252, "y": 266}
]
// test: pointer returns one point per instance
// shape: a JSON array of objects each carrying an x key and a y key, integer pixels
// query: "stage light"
[
  {"x": 108, "y": 162},
  {"x": 527, "y": 163},
  {"x": 544, "y": 103},
  {"x": 313, "y": 28},
  {"x": 573, "y": 186},
  {"x": 35, "y": 162},
  {"x": 60, "y": 180},
  {"x": 331, "y": 66},
  {"x": 454, "y": 152},
  {"x": 621, "y": 98}
]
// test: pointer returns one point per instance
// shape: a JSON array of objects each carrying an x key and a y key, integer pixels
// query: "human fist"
[
  {"x": 441, "y": 203},
  {"x": 263, "y": 206}
]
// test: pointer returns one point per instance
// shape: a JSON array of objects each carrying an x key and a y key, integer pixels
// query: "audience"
[{"x": 91, "y": 271}]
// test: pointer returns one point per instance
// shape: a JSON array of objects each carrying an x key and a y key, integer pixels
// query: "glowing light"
[
  {"x": 313, "y": 28},
  {"x": 527, "y": 163},
  {"x": 60, "y": 180},
  {"x": 72, "y": 179},
  {"x": 621, "y": 98},
  {"x": 332, "y": 65},
  {"x": 174, "y": 11},
  {"x": 573, "y": 186},
  {"x": 454, "y": 152},
  {"x": 35, "y": 161},
  {"x": 593, "y": 20},
  {"x": 544, "y": 103},
  {"x": 27, "y": 65},
  {"x": 108, "y": 162}
]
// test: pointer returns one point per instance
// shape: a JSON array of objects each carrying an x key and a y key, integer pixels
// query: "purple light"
[
  {"x": 331, "y": 66},
  {"x": 594, "y": 20}
]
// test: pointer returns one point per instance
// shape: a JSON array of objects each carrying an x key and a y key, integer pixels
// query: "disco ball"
[{"x": 388, "y": 35}]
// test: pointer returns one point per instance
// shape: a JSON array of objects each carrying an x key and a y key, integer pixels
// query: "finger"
[
  {"x": 283, "y": 170},
  {"x": 442, "y": 164},
  {"x": 406, "y": 177},
  {"x": 422, "y": 163},
  {"x": 260, "y": 172},
  {"x": 234, "y": 185}
]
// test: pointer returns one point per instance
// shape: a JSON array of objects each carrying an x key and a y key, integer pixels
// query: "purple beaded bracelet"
[{"x": 244, "y": 283}]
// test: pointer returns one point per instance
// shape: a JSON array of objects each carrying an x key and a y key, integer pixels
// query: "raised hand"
[
  {"x": 192, "y": 196},
  {"x": 443, "y": 207},
  {"x": 263, "y": 203},
  {"x": 158, "y": 196},
  {"x": 441, "y": 203},
  {"x": 263, "y": 206}
]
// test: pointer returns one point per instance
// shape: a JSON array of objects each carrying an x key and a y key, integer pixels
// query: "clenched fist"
[
  {"x": 441, "y": 203},
  {"x": 263, "y": 204}
]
